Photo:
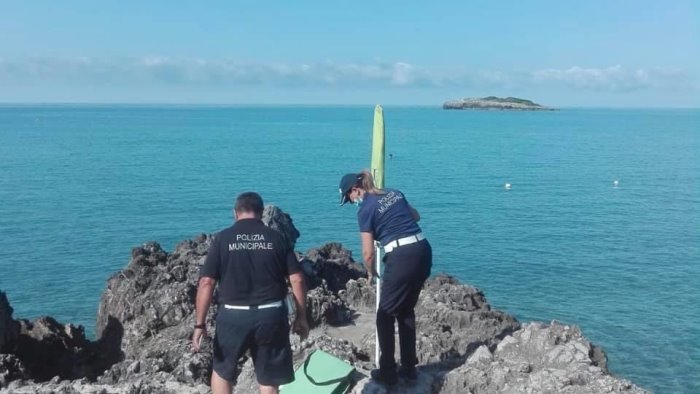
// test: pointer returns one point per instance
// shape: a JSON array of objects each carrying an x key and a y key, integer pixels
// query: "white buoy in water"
[
  {"x": 616, "y": 183},
  {"x": 507, "y": 186}
]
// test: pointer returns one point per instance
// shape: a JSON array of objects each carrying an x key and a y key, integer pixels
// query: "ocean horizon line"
[{"x": 298, "y": 105}]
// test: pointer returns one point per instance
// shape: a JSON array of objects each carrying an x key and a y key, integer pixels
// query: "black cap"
[{"x": 346, "y": 184}]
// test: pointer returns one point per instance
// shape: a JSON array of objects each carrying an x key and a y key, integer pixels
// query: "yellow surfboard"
[{"x": 377, "y": 165}]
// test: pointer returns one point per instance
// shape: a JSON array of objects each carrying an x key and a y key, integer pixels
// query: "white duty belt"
[
  {"x": 275, "y": 304},
  {"x": 403, "y": 241}
]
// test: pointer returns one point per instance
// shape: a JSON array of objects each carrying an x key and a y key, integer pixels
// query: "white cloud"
[
  {"x": 614, "y": 78},
  {"x": 403, "y": 74},
  {"x": 156, "y": 69},
  {"x": 152, "y": 70}
]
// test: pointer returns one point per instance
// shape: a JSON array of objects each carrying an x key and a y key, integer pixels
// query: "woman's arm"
[
  {"x": 368, "y": 254},
  {"x": 414, "y": 213}
]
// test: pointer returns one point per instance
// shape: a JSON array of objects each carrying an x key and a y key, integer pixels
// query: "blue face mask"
[{"x": 358, "y": 202}]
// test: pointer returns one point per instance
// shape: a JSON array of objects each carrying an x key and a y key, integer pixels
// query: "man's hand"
[
  {"x": 198, "y": 335},
  {"x": 301, "y": 327},
  {"x": 205, "y": 290}
]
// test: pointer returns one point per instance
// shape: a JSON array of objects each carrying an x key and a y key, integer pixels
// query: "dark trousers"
[{"x": 406, "y": 269}]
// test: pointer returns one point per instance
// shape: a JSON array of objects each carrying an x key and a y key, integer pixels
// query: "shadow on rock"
[{"x": 45, "y": 349}]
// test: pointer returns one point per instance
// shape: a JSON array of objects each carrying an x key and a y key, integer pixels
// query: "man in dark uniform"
[{"x": 251, "y": 263}]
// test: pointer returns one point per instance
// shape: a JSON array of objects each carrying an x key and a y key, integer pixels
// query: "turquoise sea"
[{"x": 81, "y": 185}]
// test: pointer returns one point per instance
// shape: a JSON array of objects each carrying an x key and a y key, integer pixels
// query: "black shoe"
[
  {"x": 384, "y": 378},
  {"x": 408, "y": 373}
]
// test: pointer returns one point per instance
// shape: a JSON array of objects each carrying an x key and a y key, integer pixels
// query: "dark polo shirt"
[
  {"x": 388, "y": 216},
  {"x": 251, "y": 263}
]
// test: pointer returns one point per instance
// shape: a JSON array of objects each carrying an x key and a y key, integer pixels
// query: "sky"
[{"x": 596, "y": 53}]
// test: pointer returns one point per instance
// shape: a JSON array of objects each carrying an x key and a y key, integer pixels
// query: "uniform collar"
[{"x": 248, "y": 220}]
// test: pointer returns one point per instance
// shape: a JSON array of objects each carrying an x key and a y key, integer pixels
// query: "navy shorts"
[{"x": 265, "y": 332}]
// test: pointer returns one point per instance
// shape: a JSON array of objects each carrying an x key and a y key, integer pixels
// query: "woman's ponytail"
[{"x": 366, "y": 182}]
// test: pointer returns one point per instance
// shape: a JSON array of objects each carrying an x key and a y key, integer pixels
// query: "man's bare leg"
[
  {"x": 269, "y": 389},
  {"x": 220, "y": 385}
]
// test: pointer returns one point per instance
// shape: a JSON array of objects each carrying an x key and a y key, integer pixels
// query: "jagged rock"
[
  {"x": 425, "y": 383},
  {"x": 146, "y": 316},
  {"x": 9, "y": 329},
  {"x": 481, "y": 355},
  {"x": 44, "y": 349},
  {"x": 276, "y": 219},
  {"x": 359, "y": 294},
  {"x": 538, "y": 358},
  {"x": 11, "y": 368},
  {"x": 334, "y": 264},
  {"x": 559, "y": 344},
  {"x": 48, "y": 348},
  {"x": 325, "y": 307},
  {"x": 154, "y": 384},
  {"x": 448, "y": 291},
  {"x": 453, "y": 320},
  {"x": 151, "y": 307}
]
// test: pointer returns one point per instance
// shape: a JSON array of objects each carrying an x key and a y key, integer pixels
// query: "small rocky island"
[
  {"x": 493, "y": 102},
  {"x": 146, "y": 314}
]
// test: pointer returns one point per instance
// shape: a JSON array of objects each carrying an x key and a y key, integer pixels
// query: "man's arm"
[
  {"x": 205, "y": 292},
  {"x": 301, "y": 325}
]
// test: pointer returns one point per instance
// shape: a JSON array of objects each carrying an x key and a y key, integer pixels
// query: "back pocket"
[{"x": 272, "y": 332}]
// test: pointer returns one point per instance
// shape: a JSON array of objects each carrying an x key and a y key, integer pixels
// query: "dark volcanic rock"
[
  {"x": 151, "y": 307},
  {"x": 148, "y": 309},
  {"x": 325, "y": 307},
  {"x": 154, "y": 384},
  {"x": 276, "y": 219},
  {"x": 11, "y": 368},
  {"x": 538, "y": 358},
  {"x": 332, "y": 263},
  {"x": 48, "y": 348},
  {"x": 360, "y": 295},
  {"x": 44, "y": 349},
  {"x": 9, "y": 329},
  {"x": 146, "y": 316},
  {"x": 454, "y": 319}
]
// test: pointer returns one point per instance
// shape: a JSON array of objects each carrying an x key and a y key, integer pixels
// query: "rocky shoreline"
[
  {"x": 496, "y": 103},
  {"x": 146, "y": 315}
]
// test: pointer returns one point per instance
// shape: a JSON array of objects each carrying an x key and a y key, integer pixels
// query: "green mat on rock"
[{"x": 321, "y": 373}]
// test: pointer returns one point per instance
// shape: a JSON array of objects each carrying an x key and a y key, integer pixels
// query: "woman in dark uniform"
[{"x": 385, "y": 216}]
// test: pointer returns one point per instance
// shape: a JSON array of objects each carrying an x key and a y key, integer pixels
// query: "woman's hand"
[
  {"x": 372, "y": 273},
  {"x": 368, "y": 255}
]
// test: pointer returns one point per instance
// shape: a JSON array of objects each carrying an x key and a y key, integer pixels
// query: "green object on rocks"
[{"x": 321, "y": 373}]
